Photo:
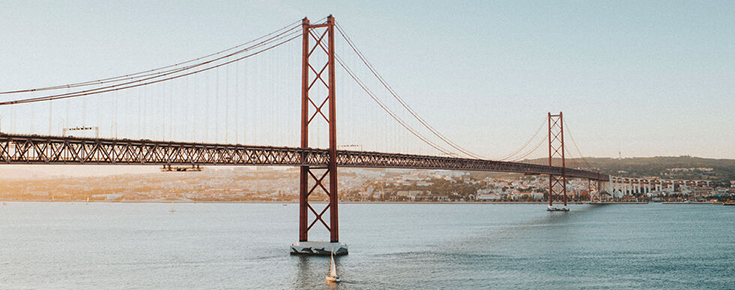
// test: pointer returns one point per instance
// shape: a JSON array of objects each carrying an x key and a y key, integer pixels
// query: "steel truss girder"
[
  {"x": 33, "y": 149},
  {"x": 23, "y": 149}
]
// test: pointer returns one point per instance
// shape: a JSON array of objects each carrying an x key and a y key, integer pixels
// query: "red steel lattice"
[
  {"x": 319, "y": 33},
  {"x": 33, "y": 149},
  {"x": 557, "y": 183}
]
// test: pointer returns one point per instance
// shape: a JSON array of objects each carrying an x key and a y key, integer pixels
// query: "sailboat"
[
  {"x": 332, "y": 278},
  {"x": 172, "y": 207}
]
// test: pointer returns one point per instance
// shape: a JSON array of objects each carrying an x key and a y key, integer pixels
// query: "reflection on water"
[
  {"x": 309, "y": 267},
  {"x": 392, "y": 246},
  {"x": 304, "y": 274}
]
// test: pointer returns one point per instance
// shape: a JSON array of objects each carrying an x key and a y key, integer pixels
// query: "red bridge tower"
[
  {"x": 317, "y": 81},
  {"x": 557, "y": 183}
]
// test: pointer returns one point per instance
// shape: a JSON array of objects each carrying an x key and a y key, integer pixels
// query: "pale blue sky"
[{"x": 648, "y": 78}]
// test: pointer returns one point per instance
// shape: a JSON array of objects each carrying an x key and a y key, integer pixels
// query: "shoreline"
[{"x": 346, "y": 202}]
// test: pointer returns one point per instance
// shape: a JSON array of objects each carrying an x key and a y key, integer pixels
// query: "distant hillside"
[{"x": 682, "y": 167}]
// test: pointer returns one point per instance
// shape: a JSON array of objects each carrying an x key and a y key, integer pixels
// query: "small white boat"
[
  {"x": 172, "y": 207},
  {"x": 557, "y": 208},
  {"x": 332, "y": 278}
]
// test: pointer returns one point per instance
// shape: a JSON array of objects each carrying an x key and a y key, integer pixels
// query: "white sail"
[
  {"x": 332, "y": 278},
  {"x": 333, "y": 271}
]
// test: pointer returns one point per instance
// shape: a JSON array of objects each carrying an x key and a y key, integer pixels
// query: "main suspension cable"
[
  {"x": 141, "y": 82},
  {"x": 576, "y": 147},
  {"x": 510, "y": 156},
  {"x": 387, "y": 110},
  {"x": 287, "y": 28},
  {"x": 401, "y": 101},
  {"x": 523, "y": 156}
]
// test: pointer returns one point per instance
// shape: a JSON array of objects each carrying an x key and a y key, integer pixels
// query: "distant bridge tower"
[
  {"x": 557, "y": 183},
  {"x": 318, "y": 80}
]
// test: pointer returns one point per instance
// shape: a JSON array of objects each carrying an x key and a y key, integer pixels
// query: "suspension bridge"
[{"x": 200, "y": 113}]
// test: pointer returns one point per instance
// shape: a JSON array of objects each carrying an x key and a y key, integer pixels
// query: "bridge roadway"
[{"x": 36, "y": 149}]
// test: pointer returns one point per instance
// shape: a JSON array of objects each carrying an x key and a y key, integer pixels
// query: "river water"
[{"x": 392, "y": 246}]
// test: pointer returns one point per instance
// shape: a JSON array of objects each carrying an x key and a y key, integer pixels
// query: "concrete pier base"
[{"x": 318, "y": 248}]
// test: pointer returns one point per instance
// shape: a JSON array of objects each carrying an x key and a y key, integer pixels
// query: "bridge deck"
[{"x": 35, "y": 149}]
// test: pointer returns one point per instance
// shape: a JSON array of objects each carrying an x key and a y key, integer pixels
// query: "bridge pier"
[
  {"x": 313, "y": 180},
  {"x": 557, "y": 183},
  {"x": 630, "y": 187},
  {"x": 608, "y": 186},
  {"x": 617, "y": 186}
]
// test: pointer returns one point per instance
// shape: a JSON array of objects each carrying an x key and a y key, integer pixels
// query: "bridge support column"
[
  {"x": 623, "y": 187},
  {"x": 589, "y": 188},
  {"x": 633, "y": 188},
  {"x": 638, "y": 187},
  {"x": 610, "y": 187},
  {"x": 630, "y": 186},
  {"x": 594, "y": 186},
  {"x": 557, "y": 183},
  {"x": 318, "y": 178},
  {"x": 618, "y": 186},
  {"x": 612, "y": 184}
]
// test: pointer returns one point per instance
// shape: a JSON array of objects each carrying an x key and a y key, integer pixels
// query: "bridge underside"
[{"x": 35, "y": 149}]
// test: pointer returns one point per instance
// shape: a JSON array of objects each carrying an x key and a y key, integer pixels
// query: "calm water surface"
[{"x": 392, "y": 246}]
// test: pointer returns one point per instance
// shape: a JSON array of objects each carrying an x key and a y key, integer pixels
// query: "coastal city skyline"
[{"x": 279, "y": 184}]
